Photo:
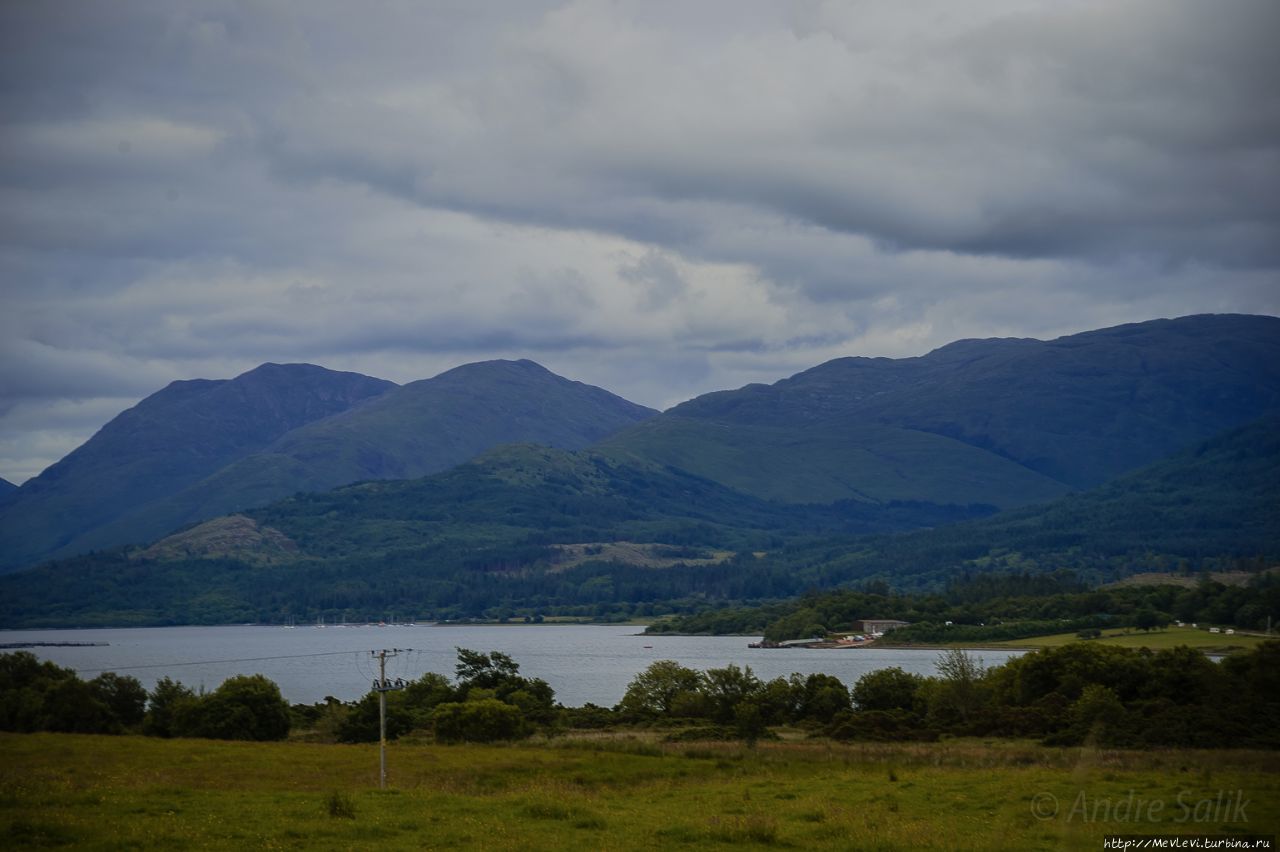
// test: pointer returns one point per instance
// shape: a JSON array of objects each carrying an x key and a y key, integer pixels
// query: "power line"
[
  {"x": 359, "y": 656},
  {"x": 216, "y": 662}
]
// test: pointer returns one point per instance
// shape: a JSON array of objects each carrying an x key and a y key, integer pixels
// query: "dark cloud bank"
[{"x": 657, "y": 200}]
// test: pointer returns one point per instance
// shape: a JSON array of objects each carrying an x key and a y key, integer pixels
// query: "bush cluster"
[
  {"x": 1082, "y": 692},
  {"x": 490, "y": 701},
  {"x": 40, "y": 696},
  {"x": 1064, "y": 696},
  {"x": 732, "y": 698},
  {"x": 1077, "y": 693}
]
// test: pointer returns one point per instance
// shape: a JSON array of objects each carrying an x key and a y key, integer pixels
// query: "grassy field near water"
[
  {"x": 1170, "y": 637},
  {"x": 611, "y": 792}
]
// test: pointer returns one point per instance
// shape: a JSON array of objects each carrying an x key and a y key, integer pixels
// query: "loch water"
[{"x": 583, "y": 663}]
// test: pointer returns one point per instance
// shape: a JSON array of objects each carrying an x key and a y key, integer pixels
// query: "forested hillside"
[
  {"x": 492, "y": 538},
  {"x": 483, "y": 535}
]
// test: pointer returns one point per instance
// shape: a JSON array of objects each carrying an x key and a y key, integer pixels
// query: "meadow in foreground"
[{"x": 615, "y": 791}]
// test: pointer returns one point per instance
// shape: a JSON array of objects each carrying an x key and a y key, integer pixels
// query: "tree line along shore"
[{"x": 1066, "y": 695}]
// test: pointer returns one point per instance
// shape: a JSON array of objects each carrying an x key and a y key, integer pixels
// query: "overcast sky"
[{"x": 661, "y": 198}]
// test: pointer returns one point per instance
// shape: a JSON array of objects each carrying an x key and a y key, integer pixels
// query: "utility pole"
[{"x": 382, "y": 686}]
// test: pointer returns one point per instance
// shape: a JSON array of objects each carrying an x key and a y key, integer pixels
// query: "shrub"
[
  {"x": 363, "y": 724},
  {"x": 482, "y": 721},
  {"x": 879, "y": 725},
  {"x": 702, "y": 733},
  {"x": 245, "y": 707}
]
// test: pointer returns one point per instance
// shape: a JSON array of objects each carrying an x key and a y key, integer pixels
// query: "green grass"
[
  {"x": 609, "y": 792},
  {"x": 1127, "y": 637}
]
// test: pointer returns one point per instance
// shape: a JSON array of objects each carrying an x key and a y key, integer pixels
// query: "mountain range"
[
  {"x": 199, "y": 449},
  {"x": 1005, "y": 421},
  {"x": 169, "y": 441},
  {"x": 856, "y": 445},
  {"x": 527, "y": 529}
]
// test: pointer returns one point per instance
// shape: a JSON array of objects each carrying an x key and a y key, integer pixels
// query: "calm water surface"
[{"x": 583, "y": 663}]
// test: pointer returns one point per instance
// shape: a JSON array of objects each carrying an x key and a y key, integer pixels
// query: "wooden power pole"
[{"x": 382, "y": 686}]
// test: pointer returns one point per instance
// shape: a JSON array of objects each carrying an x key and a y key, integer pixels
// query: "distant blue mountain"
[
  {"x": 170, "y": 440},
  {"x": 1003, "y": 421},
  {"x": 200, "y": 448}
]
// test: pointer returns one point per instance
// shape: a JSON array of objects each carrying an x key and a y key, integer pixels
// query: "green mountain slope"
[
  {"x": 417, "y": 429},
  {"x": 491, "y": 537},
  {"x": 460, "y": 541},
  {"x": 1215, "y": 503},
  {"x": 814, "y": 463},
  {"x": 167, "y": 442},
  {"x": 186, "y": 462},
  {"x": 1005, "y": 422}
]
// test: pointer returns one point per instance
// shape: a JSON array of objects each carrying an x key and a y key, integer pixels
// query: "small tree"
[
  {"x": 245, "y": 707},
  {"x": 657, "y": 690},
  {"x": 822, "y": 697},
  {"x": 162, "y": 705},
  {"x": 748, "y": 722},
  {"x": 71, "y": 707},
  {"x": 25, "y": 683},
  {"x": 957, "y": 666},
  {"x": 1097, "y": 713},
  {"x": 123, "y": 695},
  {"x": 887, "y": 689},
  {"x": 957, "y": 696},
  {"x": 500, "y": 675},
  {"x": 485, "y": 671},
  {"x": 728, "y": 687},
  {"x": 780, "y": 699}
]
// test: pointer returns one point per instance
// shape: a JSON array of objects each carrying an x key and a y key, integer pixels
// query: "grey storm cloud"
[{"x": 659, "y": 197}]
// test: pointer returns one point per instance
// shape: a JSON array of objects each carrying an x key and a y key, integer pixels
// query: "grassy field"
[
  {"x": 1189, "y": 581},
  {"x": 616, "y": 793},
  {"x": 1170, "y": 637}
]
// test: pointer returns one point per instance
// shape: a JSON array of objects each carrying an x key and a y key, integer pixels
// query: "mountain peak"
[
  {"x": 296, "y": 370},
  {"x": 167, "y": 442},
  {"x": 207, "y": 447},
  {"x": 497, "y": 367}
]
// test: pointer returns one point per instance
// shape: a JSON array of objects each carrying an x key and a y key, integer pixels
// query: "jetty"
[{"x": 9, "y": 646}]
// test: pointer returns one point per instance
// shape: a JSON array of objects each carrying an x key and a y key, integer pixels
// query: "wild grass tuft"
[
  {"x": 546, "y": 810},
  {"x": 340, "y": 806},
  {"x": 753, "y": 828}
]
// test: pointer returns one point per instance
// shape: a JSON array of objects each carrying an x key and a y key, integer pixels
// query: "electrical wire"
[{"x": 216, "y": 662}]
